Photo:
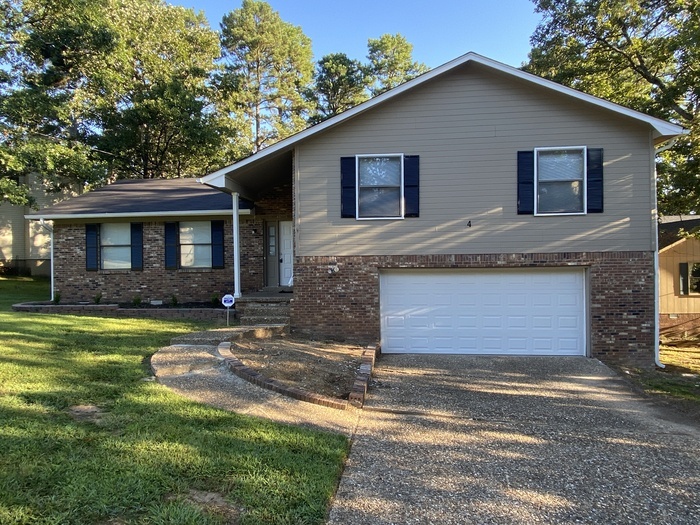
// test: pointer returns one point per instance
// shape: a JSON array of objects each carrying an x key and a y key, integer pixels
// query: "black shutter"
[
  {"x": 217, "y": 244},
  {"x": 526, "y": 182},
  {"x": 348, "y": 184},
  {"x": 171, "y": 238},
  {"x": 411, "y": 185},
  {"x": 137, "y": 246},
  {"x": 683, "y": 267},
  {"x": 594, "y": 180},
  {"x": 92, "y": 247}
]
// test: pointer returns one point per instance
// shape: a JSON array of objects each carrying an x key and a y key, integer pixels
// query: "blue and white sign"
[{"x": 227, "y": 300}]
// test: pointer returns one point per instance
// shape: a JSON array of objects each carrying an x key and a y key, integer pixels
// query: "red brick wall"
[
  {"x": 346, "y": 304},
  {"x": 679, "y": 325},
  {"x": 276, "y": 205},
  {"x": 252, "y": 254},
  {"x": 74, "y": 283}
]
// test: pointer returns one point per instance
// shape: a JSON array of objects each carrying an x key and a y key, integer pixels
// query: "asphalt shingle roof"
[{"x": 135, "y": 197}]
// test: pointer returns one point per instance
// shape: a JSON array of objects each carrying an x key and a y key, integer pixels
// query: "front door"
[
  {"x": 286, "y": 270},
  {"x": 280, "y": 253}
]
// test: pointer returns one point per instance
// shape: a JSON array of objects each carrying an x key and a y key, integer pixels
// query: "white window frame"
[
  {"x": 690, "y": 277},
  {"x": 357, "y": 186},
  {"x": 584, "y": 153},
  {"x": 194, "y": 245},
  {"x": 111, "y": 264}
]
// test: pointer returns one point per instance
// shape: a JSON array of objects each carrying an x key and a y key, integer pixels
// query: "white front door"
[
  {"x": 494, "y": 311},
  {"x": 286, "y": 252}
]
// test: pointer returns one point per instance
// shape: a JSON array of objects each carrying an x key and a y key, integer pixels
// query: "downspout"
[
  {"x": 236, "y": 248},
  {"x": 49, "y": 229},
  {"x": 655, "y": 219}
]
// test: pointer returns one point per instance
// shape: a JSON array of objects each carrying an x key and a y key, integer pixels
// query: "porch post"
[{"x": 236, "y": 248}]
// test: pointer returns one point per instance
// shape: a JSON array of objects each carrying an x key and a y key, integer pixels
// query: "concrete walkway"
[{"x": 483, "y": 440}]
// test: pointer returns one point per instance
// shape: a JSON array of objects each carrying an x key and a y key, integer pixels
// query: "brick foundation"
[
  {"x": 679, "y": 324},
  {"x": 620, "y": 298}
]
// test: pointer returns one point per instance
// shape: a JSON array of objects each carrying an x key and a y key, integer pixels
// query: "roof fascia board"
[
  {"x": 661, "y": 127},
  {"x": 123, "y": 215},
  {"x": 679, "y": 241}
]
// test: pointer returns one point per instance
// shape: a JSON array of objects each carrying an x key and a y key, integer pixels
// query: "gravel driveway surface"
[{"x": 486, "y": 440}]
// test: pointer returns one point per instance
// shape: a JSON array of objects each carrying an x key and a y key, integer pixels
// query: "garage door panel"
[{"x": 483, "y": 312}]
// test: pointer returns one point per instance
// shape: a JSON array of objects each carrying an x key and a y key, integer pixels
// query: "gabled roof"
[
  {"x": 662, "y": 130},
  {"x": 142, "y": 198},
  {"x": 670, "y": 227}
]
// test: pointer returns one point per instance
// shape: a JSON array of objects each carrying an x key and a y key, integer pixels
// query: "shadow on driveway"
[{"x": 464, "y": 439}]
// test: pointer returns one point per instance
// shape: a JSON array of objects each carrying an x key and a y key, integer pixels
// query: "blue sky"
[{"x": 439, "y": 30}]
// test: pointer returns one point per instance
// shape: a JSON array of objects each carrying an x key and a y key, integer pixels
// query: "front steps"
[{"x": 268, "y": 309}]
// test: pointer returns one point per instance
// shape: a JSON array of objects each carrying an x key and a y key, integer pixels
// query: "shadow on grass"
[{"x": 150, "y": 447}]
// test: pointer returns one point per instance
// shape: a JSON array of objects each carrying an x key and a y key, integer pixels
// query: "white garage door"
[{"x": 508, "y": 312}]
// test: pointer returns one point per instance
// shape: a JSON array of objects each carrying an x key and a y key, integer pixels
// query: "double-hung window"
[
  {"x": 560, "y": 177},
  {"x": 114, "y": 246},
  {"x": 379, "y": 186},
  {"x": 194, "y": 244},
  {"x": 690, "y": 278},
  {"x": 560, "y": 181}
]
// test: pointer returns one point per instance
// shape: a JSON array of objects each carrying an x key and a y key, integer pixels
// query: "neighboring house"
[
  {"x": 679, "y": 273},
  {"x": 475, "y": 209},
  {"x": 24, "y": 244},
  {"x": 145, "y": 240}
]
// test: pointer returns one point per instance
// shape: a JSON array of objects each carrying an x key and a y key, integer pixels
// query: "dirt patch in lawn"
[{"x": 321, "y": 367}]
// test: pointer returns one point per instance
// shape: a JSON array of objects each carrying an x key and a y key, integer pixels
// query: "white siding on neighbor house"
[{"x": 467, "y": 128}]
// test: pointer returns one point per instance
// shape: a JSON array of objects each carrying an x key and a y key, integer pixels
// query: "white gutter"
[
  {"x": 49, "y": 229},
  {"x": 236, "y": 248},
  {"x": 657, "y": 285},
  {"x": 122, "y": 215}
]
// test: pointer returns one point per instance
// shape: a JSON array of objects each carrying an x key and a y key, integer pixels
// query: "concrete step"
[
  {"x": 263, "y": 320},
  {"x": 262, "y": 310},
  {"x": 220, "y": 335}
]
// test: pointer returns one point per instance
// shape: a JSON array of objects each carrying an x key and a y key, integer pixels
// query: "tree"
[
  {"x": 103, "y": 89},
  {"x": 340, "y": 84},
  {"x": 153, "y": 101},
  {"x": 391, "y": 62},
  {"x": 268, "y": 68},
  {"x": 46, "y": 50},
  {"x": 644, "y": 54}
]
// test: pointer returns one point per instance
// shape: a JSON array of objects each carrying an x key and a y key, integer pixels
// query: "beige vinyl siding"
[
  {"x": 467, "y": 128},
  {"x": 13, "y": 235},
  {"x": 26, "y": 241},
  {"x": 670, "y": 299}
]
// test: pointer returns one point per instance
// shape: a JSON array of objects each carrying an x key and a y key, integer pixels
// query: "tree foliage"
[
  {"x": 96, "y": 90},
  {"x": 391, "y": 62},
  {"x": 268, "y": 69},
  {"x": 340, "y": 84},
  {"x": 103, "y": 89},
  {"x": 643, "y": 54},
  {"x": 153, "y": 102}
]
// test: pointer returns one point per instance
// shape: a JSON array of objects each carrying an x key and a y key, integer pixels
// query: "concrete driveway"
[{"x": 487, "y": 440}]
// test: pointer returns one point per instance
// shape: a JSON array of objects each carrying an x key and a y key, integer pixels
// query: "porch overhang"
[{"x": 253, "y": 176}]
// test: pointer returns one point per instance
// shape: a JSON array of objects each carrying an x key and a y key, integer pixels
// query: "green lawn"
[{"x": 151, "y": 450}]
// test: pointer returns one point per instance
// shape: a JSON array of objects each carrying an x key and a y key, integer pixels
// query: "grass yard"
[
  {"x": 147, "y": 456},
  {"x": 681, "y": 377},
  {"x": 678, "y": 384}
]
